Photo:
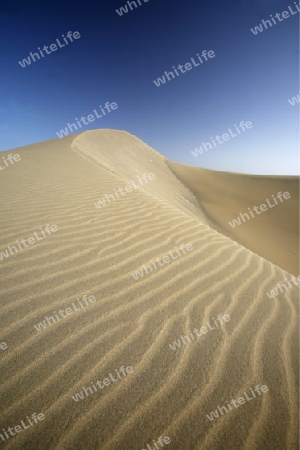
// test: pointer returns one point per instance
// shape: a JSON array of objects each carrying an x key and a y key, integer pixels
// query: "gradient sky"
[{"x": 117, "y": 58}]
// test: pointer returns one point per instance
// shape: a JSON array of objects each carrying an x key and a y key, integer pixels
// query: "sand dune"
[
  {"x": 133, "y": 322},
  {"x": 274, "y": 234}
]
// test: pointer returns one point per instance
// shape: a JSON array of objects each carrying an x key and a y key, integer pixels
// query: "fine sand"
[{"x": 133, "y": 322}]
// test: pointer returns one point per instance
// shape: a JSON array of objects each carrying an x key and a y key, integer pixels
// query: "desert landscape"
[{"x": 98, "y": 309}]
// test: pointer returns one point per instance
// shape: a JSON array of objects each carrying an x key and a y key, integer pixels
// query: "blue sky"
[{"x": 117, "y": 58}]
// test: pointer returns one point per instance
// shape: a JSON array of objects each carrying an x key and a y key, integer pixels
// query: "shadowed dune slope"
[
  {"x": 133, "y": 322},
  {"x": 273, "y": 234}
]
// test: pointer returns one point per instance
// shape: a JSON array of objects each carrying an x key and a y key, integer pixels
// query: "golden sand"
[{"x": 132, "y": 323}]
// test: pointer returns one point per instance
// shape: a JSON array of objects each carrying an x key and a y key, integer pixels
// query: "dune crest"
[{"x": 133, "y": 323}]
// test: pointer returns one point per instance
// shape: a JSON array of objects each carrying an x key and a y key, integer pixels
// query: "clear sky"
[{"x": 117, "y": 58}]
